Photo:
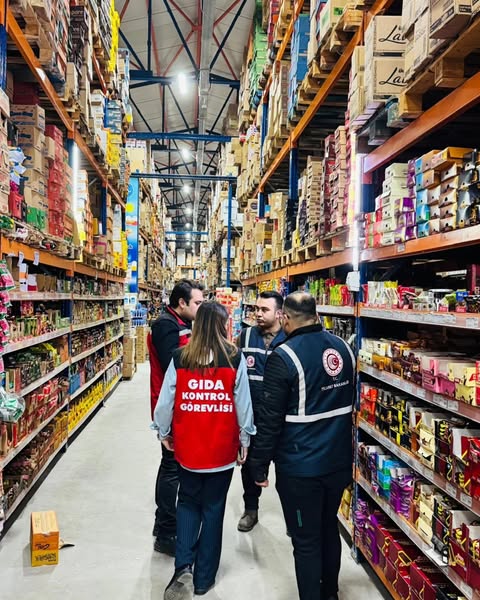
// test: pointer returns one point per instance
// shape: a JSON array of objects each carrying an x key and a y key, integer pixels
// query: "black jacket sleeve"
[
  {"x": 165, "y": 340},
  {"x": 270, "y": 416}
]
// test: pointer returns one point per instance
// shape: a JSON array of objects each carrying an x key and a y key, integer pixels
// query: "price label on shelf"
[
  {"x": 449, "y": 319},
  {"x": 451, "y": 490},
  {"x": 466, "y": 590},
  {"x": 36, "y": 258},
  {"x": 471, "y": 323},
  {"x": 408, "y": 388},
  {"x": 466, "y": 499},
  {"x": 400, "y": 248},
  {"x": 440, "y": 400},
  {"x": 21, "y": 258},
  {"x": 453, "y": 405},
  {"x": 427, "y": 473},
  {"x": 421, "y": 393}
]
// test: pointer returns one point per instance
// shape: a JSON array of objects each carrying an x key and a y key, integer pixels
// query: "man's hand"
[
  {"x": 168, "y": 443},
  {"x": 242, "y": 456},
  {"x": 263, "y": 484}
]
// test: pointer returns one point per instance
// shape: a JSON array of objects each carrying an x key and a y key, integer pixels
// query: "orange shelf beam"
[
  {"x": 116, "y": 195},
  {"x": 323, "y": 92},
  {"x": 310, "y": 266},
  {"x": 86, "y": 151},
  {"x": 99, "y": 73},
  {"x": 327, "y": 87},
  {"x": 456, "y": 103},
  {"x": 433, "y": 243},
  {"x": 322, "y": 262},
  {"x": 36, "y": 68},
  {"x": 12, "y": 248}
]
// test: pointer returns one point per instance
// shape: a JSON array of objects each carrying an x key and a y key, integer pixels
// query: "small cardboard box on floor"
[{"x": 44, "y": 538}]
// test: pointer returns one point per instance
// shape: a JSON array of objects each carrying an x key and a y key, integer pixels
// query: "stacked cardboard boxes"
[
  {"x": 250, "y": 170},
  {"x": 326, "y": 193},
  {"x": 83, "y": 214},
  {"x": 29, "y": 120},
  {"x": 384, "y": 55},
  {"x": 277, "y": 111},
  {"x": 129, "y": 358},
  {"x": 339, "y": 182},
  {"x": 141, "y": 343},
  {"x": 278, "y": 206}
]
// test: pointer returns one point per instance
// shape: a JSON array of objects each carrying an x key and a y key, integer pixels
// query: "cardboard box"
[
  {"x": 449, "y": 17},
  {"x": 384, "y": 78},
  {"x": 384, "y": 37},
  {"x": 44, "y": 538},
  {"x": 28, "y": 114}
]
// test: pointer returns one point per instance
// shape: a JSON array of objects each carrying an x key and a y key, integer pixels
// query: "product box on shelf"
[{"x": 449, "y": 17}]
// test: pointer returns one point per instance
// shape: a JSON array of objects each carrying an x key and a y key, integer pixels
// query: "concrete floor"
[{"x": 103, "y": 492}]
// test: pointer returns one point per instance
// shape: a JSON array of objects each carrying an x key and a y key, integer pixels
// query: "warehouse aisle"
[{"x": 102, "y": 491}]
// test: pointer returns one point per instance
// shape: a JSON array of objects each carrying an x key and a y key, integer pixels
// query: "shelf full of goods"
[
  {"x": 49, "y": 368},
  {"x": 48, "y": 200},
  {"x": 417, "y": 499}
]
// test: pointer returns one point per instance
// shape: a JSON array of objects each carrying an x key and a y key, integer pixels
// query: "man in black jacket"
[
  {"x": 170, "y": 331},
  {"x": 304, "y": 425},
  {"x": 256, "y": 344}
]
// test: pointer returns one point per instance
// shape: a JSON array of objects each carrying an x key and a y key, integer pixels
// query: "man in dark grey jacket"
[{"x": 304, "y": 425}]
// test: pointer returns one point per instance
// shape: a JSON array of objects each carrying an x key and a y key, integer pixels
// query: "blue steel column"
[
  {"x": 229, "y": 232},
  {"x": 293, "y": 175},
  {"x": 264, "y": 129}
]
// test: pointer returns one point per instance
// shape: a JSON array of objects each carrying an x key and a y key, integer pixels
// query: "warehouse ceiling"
[{"x": 191, "y": 41}]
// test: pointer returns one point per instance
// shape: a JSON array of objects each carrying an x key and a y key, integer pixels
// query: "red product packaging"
[{"x": 424, "y": 578}]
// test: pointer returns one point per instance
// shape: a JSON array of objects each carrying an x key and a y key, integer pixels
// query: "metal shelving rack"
[
  {"x": 69, "y": 266},
  {"x": 434, "y": 118}
]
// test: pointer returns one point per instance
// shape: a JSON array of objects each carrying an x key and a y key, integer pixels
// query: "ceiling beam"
[
  {"x": 180, "y": 34},
  {"x": 188, "y": 137},
  {"x": 146, "y": 78},
  {"x": 227, "y": 33}
]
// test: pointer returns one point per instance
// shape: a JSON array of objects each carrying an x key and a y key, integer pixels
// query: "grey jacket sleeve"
[
  {"x": 243, "y": 404},
  {"x": 163, "y": 414}
]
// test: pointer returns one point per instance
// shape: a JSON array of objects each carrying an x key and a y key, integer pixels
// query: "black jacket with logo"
[{"x": 304, "y": 423}]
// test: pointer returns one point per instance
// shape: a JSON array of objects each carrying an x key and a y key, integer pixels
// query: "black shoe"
[
  {"x": 203, "y": 591},
  {"x": 166, "y": 545},
  {"x": 248, "y": 520},
  {"x": 181, "y": 585},
  {"x": 156, "y": 529}
]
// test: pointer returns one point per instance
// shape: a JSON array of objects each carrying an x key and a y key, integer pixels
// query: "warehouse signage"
[{"x": 131, "y": 225}]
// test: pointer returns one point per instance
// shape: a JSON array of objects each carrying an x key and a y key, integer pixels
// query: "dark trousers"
[
  {"x": 166, "y": 495},
  {"x": 251, "y": 491},
  {"x": 310, "y": 506},
  {"x": 200, "y": 511}
]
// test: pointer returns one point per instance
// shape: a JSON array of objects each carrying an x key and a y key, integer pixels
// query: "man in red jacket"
[{"x": 170, "y": 331}]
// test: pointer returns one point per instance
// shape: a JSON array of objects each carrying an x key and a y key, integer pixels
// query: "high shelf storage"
[
  {"x": 64, "y": 101},
  {"x": 411, "y": 232}
]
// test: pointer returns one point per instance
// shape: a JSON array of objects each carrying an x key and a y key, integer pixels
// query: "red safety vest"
[
  {"x": 205, "y": 427},
  {"x": 156, "y": 372}
]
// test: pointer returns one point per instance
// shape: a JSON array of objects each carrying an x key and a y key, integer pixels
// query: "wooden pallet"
[{"x": 445, "y": 72}]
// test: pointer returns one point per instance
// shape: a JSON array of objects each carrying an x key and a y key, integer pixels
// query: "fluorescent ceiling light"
[
  {"x": 186, "y": 154},
  {"x": 188, "y": 211},
  {"x": 188, "y": 225},
  {"x": 186, "y": 189}
]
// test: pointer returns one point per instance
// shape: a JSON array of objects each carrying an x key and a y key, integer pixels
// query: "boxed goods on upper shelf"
[{"x": 435, "y": 193}]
